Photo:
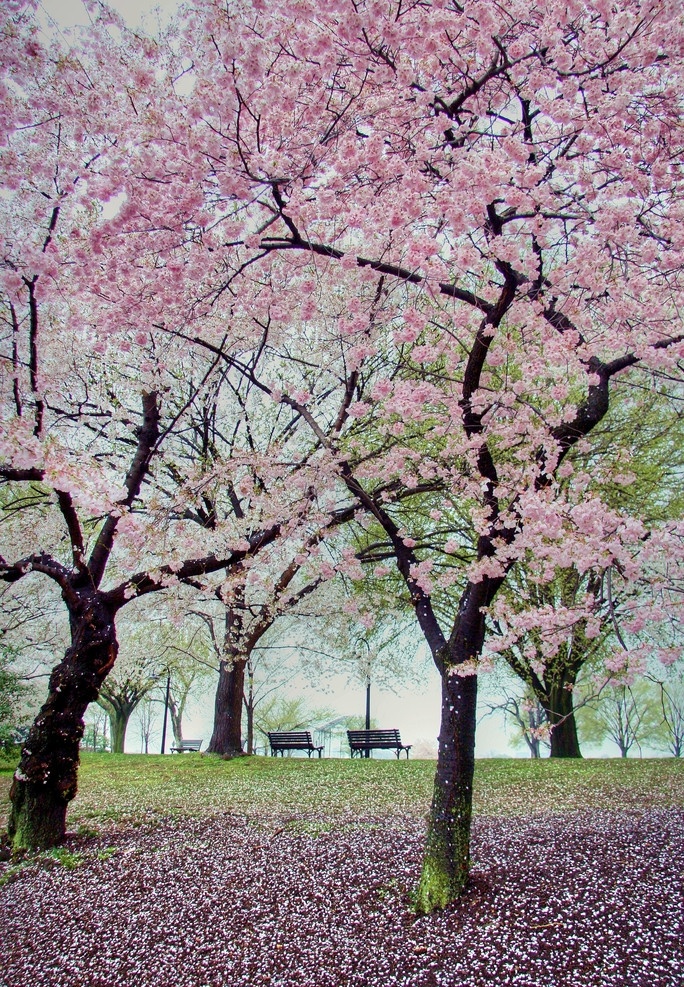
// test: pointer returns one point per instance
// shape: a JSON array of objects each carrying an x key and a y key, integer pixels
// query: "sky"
[{"x": 69, "y": 13}]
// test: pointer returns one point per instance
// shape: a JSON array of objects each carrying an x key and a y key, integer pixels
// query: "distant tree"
[
  {"x": 146, "y": 717},
  {"x": 267, "y": 674},
  {"x": 669, "y": 732},
  {"x": 186, "y": 656},
  {"x": 13, "y": 690},
  {"x": 95, "y": 733},
  {"x": 280, "y": 712},
  {"x": 528, "y": 717},
  {"x": 548, "y": 657},
  {"x": 623, "y": 713}
]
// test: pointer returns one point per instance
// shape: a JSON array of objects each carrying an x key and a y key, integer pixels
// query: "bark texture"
[
  {"x": 561, "y": 716},
  {"x": 46, "y": 779},
  {"x": 446, "y": 860},
  {"x": 226, "y": 737}
]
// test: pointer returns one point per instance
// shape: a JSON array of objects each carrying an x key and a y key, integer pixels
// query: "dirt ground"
[{"x": 583, "y": 899}]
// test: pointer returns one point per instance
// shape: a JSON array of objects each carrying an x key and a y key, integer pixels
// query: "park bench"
[
  {"x": 187, "y": 745},
  {"x": 292, "y": 740},
  {"x": 361, "y": 741}
]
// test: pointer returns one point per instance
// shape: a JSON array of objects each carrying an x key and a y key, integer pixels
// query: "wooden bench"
[
  {"x": 292, "y": 740},
  {"x": 361, "y": 741},
  {"x": 187, "y": 745}
]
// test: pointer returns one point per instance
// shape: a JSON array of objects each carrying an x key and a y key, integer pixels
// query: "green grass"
[{"x": 134, "y": 790}]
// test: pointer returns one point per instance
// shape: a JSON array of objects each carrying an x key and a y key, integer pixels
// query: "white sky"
[{"x": 69, "y": 13}]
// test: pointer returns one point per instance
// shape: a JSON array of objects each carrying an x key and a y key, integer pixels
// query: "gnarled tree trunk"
[{"x": 46, "y": 779}]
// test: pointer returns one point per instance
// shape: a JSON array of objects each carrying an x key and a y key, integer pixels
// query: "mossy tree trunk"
[
  {"x": 46, "y": 779},
  {"x": 446, "y": 860}
]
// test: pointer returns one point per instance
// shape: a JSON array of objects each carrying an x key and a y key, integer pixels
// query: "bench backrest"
[
  {"x": 190, "y": 743},
  {"x": 290, "y": 738},
  {"x": 374, "y": 738}
]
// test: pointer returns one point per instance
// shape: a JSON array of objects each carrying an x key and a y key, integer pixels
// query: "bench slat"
[
  {"x": 292, "y": 740},
  {"x": 361, "y": 741},
  {"x": 187, "y": 745}
]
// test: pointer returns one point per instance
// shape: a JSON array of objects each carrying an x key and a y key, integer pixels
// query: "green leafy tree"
[
  {"x": 13, "y": 692},
  {"x": 626, "y": 714},
  {"x": 278, "y": 712},
  {"x": 669, "y": 732}
]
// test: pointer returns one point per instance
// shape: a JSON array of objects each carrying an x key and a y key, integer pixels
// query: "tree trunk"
[
  {"x": 534, "y": 747},
  {"x": 561, "y": 715},
  {"x": 46, "y": 779},
  {"x": 176, "y": 712},
  {"x": 227, "y": 734},
  {"x": 249, "y": 704},
  {"x": 118, "y": 724},
  {"x": 446, "y": 860}
]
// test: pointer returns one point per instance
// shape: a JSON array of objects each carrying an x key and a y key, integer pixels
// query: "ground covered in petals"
[{"x": 584, "y": 897}]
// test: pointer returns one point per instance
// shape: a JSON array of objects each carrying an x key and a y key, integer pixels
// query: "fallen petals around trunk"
[{"x": 570, "y": 900}]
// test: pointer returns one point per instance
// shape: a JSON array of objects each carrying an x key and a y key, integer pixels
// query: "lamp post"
[
  {"x": 368, "y": 684},
  {"x": 368, "y": 689},
  {"x": 166, "y": 709}
]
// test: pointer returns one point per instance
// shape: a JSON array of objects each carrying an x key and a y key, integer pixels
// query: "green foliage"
[
  {"x": 68, "y": 860},
  {"x": 644, "y": 432},
  {"x": 12, "y": 692},
  {"x": 626, "y": 715},
  {"x": 280, "y": 712}
]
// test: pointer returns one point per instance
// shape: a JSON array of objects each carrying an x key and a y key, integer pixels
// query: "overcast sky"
[{"x": 68, "y": 13}]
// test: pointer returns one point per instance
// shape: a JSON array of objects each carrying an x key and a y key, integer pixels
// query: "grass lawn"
[{"x": 134, "y": 789}]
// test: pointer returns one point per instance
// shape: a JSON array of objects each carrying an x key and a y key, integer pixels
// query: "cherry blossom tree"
[
  {"x": 83, "y": 424},
  {"x": 515, "y": 174},
  {"x": 493, "y": 194},
  {"x": 550, "y": 671}
]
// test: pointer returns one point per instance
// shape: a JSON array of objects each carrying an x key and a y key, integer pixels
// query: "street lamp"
[
  {"x": 166, "y": 709},
  {"x": 368, "y": 683},
  {"x": 368, "y": 688}
]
